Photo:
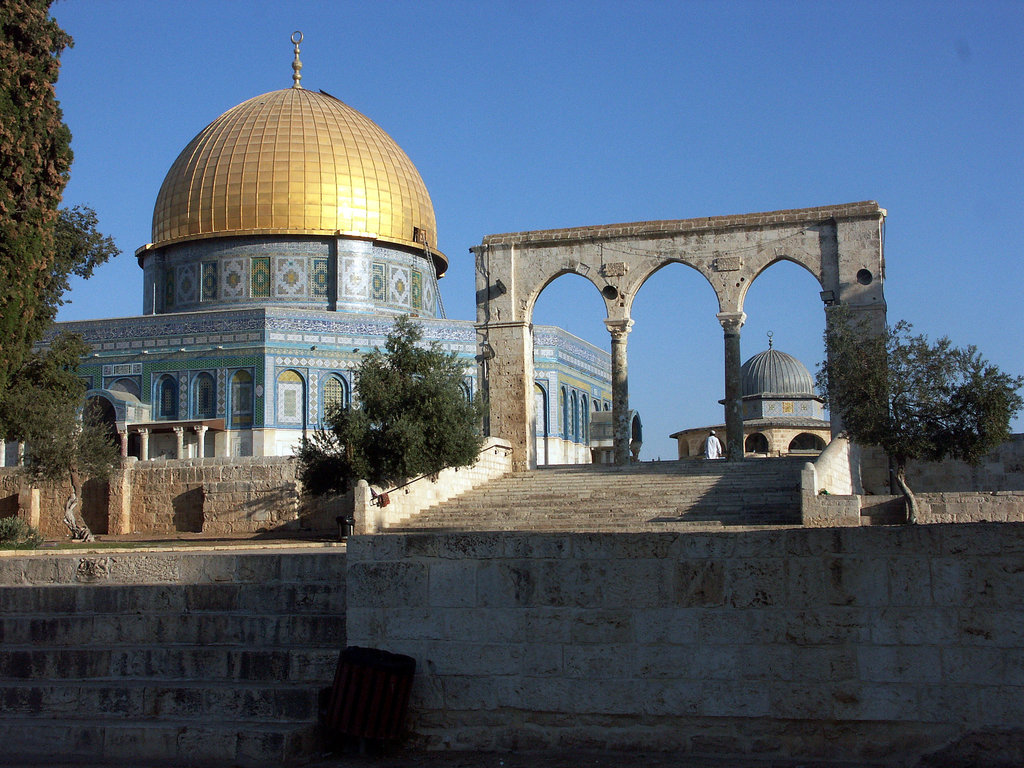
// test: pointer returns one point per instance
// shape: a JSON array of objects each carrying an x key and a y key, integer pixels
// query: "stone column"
[
  {"x": 731, "y": 324},
  {"x": 510, "y": 387},
  {"x": 123, "y": 435},
  {"x": 619, "y": 330},
  {"x": 201, "y": 437},
  {"x": 179, "y": 433},
  {"x": 20, "y": 462},
  {"x": 143, "y": 444},
  {"x": 3, "y": 453}
]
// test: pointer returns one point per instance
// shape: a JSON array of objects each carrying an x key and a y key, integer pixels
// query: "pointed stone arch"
[{"x": 840, "y": 245}]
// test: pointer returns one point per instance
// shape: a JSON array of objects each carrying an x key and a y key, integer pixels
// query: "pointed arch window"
[
  {"x": 241, "y": 399},
  {"x": 204, "y": 397},
  {"x": 335, "y": 395},
  {"x": 167, "y": 397},
  {"x": 291, "y": 393}
]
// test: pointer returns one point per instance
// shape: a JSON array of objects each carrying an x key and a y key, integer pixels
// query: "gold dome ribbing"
[{"x": 295, "y": 162}]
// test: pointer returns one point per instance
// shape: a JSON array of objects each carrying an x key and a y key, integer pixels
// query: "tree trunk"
[
  {"x": 908, "y": 495},
  {"x": 80, "y": 532}
]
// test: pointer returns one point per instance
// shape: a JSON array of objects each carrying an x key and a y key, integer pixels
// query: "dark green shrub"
[{"x": 15, "y": 533}]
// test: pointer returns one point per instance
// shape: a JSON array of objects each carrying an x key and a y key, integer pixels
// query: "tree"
[
  {"x": 35, "y": 158},
  {"x": 42, "y": 407},
  {"x": 413, "y": 419},
  {"x": 915, "y": 399}
]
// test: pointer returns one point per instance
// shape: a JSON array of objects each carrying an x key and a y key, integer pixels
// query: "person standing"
[{"x": 712, "y": 447}]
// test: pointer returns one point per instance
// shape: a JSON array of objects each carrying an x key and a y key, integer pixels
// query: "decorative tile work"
[
  {"x": 221, "y": 391},
  {"x": 289, "y": 402},
  {"x": 428, "y": 300},
  {"x": 314, "y": 380},
  {"x": 320, "y": 281},
  {"x": 416, "y": 289},
  {"x": 183, "y": 396},
  {"x": 188, "y": 284},
  {"x": 209, "y": 291},
  {"x": 290, "y": 277},
  {"x": 355, "y": 271},
  {"x": 398, "y": 285},
  {"x": 378, "y": 282},
  {"x": 234, "y": 279},
  {"x": 259, "y": 287},
  {"x": 169, "y": 287}
]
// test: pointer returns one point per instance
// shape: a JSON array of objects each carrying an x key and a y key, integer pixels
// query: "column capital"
[
  {"x": 619, "y": 328},
  {"x": 732, "y": 321},
  {"x": 179, "y": 430},
  {"x": 142, "y": 430},
  {"x": 200, "y": 429}
]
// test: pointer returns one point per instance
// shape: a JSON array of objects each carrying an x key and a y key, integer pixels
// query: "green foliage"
[
  {"x": 42, "y": 406},
  {"x": 35, "y": 157},
  {"x": 413, "y": 419},
  {"x": 15, "y": 533},
  {"x": 914, "y": 398}
]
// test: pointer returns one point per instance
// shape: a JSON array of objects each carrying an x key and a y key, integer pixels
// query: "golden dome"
[{"x": 300, "y": 163}]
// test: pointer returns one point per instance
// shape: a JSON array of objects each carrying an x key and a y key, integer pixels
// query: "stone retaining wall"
[
  {"x": 214, "y": 496},
  {"x": 857, "y": 644}
]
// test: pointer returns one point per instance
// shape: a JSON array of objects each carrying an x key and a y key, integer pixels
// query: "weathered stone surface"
[{"x": 852, "y": 644}]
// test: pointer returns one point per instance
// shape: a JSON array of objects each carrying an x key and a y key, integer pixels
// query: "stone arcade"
[{"x": 840, "y": 245}]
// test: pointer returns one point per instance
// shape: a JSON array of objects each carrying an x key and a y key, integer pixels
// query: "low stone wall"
[
  {"x": 214, "y": 496},
  {"x": 495, "y": 460},
  {"x": 857, "y": 644},
  {"x": 53, "y": 497},
  {"x": 1000, "y": 470}
]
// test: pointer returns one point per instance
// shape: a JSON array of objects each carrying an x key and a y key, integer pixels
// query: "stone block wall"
[
  {"x": 53, "y": 497},
  {"x": 1001, "y": 470},
  {"x": 854, "y": 644},
  {"x": 216, "y": 496}
]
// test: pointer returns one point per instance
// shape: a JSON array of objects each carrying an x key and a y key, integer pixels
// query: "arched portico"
[{"x": 840, "y": 245}]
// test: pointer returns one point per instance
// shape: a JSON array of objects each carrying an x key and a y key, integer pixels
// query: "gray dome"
[{"x": 775, "y": 373}]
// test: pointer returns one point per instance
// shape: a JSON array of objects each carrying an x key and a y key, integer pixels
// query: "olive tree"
[{"x": 915, "y": 398}]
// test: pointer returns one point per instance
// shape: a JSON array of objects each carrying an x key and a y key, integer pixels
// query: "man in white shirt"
[{"x": 712, "y": 447}]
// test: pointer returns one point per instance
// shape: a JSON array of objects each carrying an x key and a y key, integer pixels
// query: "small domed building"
[
  {"x": 286, "y": 238},
  {"x": 782, "y": 415}
]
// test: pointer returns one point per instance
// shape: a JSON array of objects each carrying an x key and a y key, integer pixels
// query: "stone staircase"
[
  {"x": 649, "y": 496},
  {"x": 170, "y": 658}
]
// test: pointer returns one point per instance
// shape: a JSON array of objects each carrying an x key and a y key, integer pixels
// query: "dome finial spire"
[
  {"x": 770, "y": 334},
  {"x": 296, "y": 65}
]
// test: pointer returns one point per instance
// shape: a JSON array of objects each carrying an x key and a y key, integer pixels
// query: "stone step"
[
  {"x": 646, "y": 496},
  {"x": 164, "y": 742},
  {"x": 248, "y": 631},
  {"x": 189, "y": 598},
  {"x": 167, "y": 663},
  {"x": 180, "y": 700}
]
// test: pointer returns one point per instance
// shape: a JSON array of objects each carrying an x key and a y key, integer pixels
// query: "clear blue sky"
[{"x": 534, "y": 115}]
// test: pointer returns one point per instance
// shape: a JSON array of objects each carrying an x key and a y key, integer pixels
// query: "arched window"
[
  {"x": 467, "y": 391},
  {"x": 291, "y": 398},
  {"x": 756, "y": 443},
  {"x": 607, "y": 406},
  {"x": 335, "y": 395},
  {"x": 563, "y": 406},
  {"x": 575, "y": 418},
  {"x": 204, "y": 397},
  {"x": 805, "y": 441},
  {"x": 540, "y": 410},
  {"x": 167, "y": 397},
  {"x": 584, "y": 419},
  {"x": 241, "y": 399}
]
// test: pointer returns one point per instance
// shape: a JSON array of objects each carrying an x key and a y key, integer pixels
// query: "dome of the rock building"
[
  {"x": 776, "y": 373},
  {"x": 295, "y": 162}
]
